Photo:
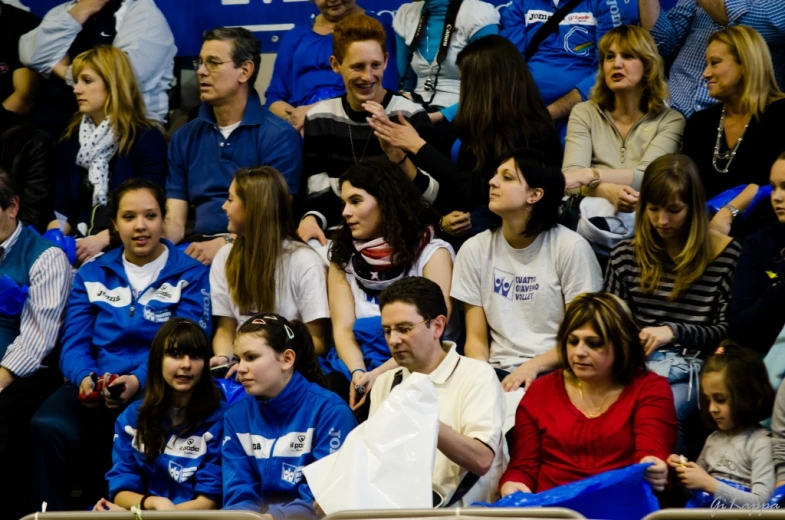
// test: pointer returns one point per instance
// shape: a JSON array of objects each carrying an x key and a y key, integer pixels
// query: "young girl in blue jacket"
[
  {"x": 167, "y": 448},
  {"x": 117, "y": 304},
  {"x": 292, "y": 421}
]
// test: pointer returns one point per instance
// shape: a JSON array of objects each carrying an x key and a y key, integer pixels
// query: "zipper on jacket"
[{"x": 623, "y": 150}]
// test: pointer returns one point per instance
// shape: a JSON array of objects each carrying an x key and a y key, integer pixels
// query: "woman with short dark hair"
[
  {"x": 516, "y": 278},
  {"x": 624, "y": 414}
]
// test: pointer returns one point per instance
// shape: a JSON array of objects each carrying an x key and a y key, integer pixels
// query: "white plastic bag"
[
  {"x": 386, "y": 462},
  {"x": 623, "y": 223}
]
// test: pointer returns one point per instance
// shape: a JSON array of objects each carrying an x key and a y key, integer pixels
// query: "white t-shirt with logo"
[
  {"x": 140, "y": 277},
  {"x": 524, "y": 291},
  {"x": 301, "y": 286}
]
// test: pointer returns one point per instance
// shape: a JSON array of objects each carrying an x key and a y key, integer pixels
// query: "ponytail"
[{"x": 306, "y": 361}]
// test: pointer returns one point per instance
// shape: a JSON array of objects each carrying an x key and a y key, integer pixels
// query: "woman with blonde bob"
[
  {"x": 613, "y": 137},
  {"x": 675, "y": 275},
  {"x": 736, "y": 142},
  {"x": 109, "y": 141},
  {"x": 623, "y": 412},
  {"x": 267, "y": 269}
]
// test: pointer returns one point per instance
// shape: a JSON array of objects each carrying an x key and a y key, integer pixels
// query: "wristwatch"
[
  {"x": 596, "y": 180},
  {"x": 734, "y": 211}
]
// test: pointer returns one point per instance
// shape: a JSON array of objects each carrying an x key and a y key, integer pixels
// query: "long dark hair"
[
  {"x": 282, "y": 334},
  {"x": 405, "y": 215},
  {"x": 500, "y": 107},
  {"x": 178, "y": 336}
]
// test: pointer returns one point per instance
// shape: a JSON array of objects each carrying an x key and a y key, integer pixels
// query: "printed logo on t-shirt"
[
  {"x": 291, "y": 474},
  {"x": 179, "y": 473},
  {"x": 514, "y": 288},
  {"x": 118, "y": 297},
  {"x": 294, "y": 444}
]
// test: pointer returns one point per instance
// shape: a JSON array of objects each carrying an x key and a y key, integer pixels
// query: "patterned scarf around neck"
[
  {"x": 374, "y": 264},
  {"x": 97, "y": 146}
]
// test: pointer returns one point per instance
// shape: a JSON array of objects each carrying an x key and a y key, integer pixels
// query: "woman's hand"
[
  {"x": 296, "y": 116},
  {"x": 131, "y": 387},
  {"x": 88, "y": 247},
  {"x": 362, "y": 380},
  {"x": 105, "y": 505},
  {"x": 624, "y": 198},
  {"x": 87, "y": 386},
  {"x": 653, "y": 338},
  {"x": 457, "y": 223},
  {"x": 513, "y": 487},
  {"x": 159, "y": 504},
  {"x": 222, "y": 359},
  {"x": 521, "y": 377},
  {"x": 656, "y": 475},
  {"x": 401, "y": 135},
  {"x": 205, "y": 251},
  {"x": 309, "y": 229},
  {"x": 576, "y": 178},
  {"x": 722, "y": 221},
  {"x": 695, "y": 477}
]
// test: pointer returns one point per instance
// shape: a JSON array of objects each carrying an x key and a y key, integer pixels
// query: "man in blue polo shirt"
[{"x": 233, "y": 131}]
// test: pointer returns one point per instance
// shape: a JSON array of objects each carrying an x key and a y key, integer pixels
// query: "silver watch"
[{"x": 734, "y": 211}]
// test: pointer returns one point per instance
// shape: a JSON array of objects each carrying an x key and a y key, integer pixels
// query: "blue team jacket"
[
  {"x": 108, "y": 330},
  {"x": 267, "y": 443},
  {"x": 188, "y": 467},
  {"x": 567, "y": 59}
]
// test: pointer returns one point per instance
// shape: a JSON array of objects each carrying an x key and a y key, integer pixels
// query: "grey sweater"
[
  {"x": 746, "y": 459},
  {"x": 778, "y": 431}
]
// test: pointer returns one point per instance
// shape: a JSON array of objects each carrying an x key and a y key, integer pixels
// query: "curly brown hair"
[{"x": 404, "y": 213}]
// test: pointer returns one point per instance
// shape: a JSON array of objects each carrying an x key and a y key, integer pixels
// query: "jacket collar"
[
  {"x": 113, "y": 261},
  {"x": 252, "y": 115},
  {"x": 447, "y": 367},
  {"x": 288, "y": 400}
]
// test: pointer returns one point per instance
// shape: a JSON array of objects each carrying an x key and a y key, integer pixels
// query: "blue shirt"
[
  {"x": 683, "y": 31},
  {"x": 107, "y": 329},
  {"x": 202, "y": 163},
  {"x": 188, "y": 467},
  {"x": 302, "y": 73},
  {"x": 267, "y": 443}
]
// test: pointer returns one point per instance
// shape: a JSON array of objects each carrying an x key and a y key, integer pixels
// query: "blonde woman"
[
  {"x": 736, "y": 142},
  {"x": 267, "y": 269},
  {"x": 675, "y": 275},
  {"x": 110, "y": 140},
  {"x": 613, "y": 137}
]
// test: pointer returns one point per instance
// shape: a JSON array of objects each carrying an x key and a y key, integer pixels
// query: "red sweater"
[{"x": 555, "y": 444}]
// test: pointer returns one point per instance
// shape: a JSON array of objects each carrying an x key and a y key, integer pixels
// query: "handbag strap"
[{"x": 549, "y": 28}]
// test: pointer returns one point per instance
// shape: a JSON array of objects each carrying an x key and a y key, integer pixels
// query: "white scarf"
[{"x": 97, "y": 146}]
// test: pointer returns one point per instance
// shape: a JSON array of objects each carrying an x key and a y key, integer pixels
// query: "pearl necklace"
[{"x": 731, "y": 153}]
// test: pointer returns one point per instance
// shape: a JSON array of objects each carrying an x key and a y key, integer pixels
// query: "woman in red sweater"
[{"x": 603, "y": 411}]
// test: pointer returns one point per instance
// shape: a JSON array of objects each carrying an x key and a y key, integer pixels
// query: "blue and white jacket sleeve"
[
  {"x": 242, "y": 486},
  {"x": 76, "y": 357},
  {"x": 43, "y": 47},
  {"x": 208, "y": 478},
  {"x": 334, "y": 425},
  {"x": 125, "y": 474},
  {"x": 604, "y": 24},
  {"x": 513, "y": 24}
]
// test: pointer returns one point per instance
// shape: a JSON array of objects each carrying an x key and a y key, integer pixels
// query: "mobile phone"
[{"x": 220, "y": 371}]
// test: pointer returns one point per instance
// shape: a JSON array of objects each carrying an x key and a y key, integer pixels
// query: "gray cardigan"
[{"x": 594, "y": 142}]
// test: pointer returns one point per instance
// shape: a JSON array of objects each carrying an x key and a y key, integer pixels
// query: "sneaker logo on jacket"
[{"x": 118, "y": 297}]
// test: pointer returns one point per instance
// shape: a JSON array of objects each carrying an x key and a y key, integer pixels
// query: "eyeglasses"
[
  {"x": 210, "y": 64},
  {"x": 401, "y": 330}
]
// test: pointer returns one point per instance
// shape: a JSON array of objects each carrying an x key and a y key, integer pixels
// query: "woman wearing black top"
[
  {"x": 500, "y": 109},
  {"x": 737, "y": 141}
]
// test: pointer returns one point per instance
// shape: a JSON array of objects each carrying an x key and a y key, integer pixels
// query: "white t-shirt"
[
  {"x": 301, "y": 286},
  {"x": 140, "y": 277},
  {"x": 524, "y": 291},
  {"x": 471, "y": 403},
  {"x": 366, "y": 306},
  {"x": 226, "y": 131}
]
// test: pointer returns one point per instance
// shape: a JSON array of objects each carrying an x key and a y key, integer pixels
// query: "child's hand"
[
  {"x": 676, "y": 461},
  {"x": 695, "y": 477}
]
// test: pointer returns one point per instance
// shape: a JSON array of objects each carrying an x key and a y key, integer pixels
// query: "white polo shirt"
[{"x": 470, "y": 402}]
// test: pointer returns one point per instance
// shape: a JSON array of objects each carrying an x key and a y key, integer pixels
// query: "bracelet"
[
  {"x": 356, "y": 370},
  {"x": 141, "y": 502},
  {"x": 441, "y": 228},
  {"x": 405, "y": 156}
]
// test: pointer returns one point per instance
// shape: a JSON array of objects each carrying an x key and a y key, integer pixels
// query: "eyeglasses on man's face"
[
  {"x": 211, "y": 64},
  {"x": 401, "y": 330}
]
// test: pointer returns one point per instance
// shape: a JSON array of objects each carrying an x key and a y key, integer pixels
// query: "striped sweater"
[
  {"x": 337, "y": 137},
  {"x": 699, "y": 317}
]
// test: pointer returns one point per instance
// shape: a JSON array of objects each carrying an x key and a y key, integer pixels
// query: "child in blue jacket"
[
  {"x": 167, "y": 449},
  {"x": 292, "y": 421},
  {"x": 117, "y": 304}
]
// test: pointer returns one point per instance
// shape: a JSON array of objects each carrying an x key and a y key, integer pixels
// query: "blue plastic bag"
[
  {"x": 720, "y": 200},
  {"x": 12, "y": 296},
  {"x": 621, "y": 494},
  {"x": 702, "y": 499},
  {"x": 232, "y": 391},
  {"x": 369, "y": 335}
]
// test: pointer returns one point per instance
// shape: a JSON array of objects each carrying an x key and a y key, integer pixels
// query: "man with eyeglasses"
[
  {"x": 471, "y": 451},
  {"x": 233, "y": 131}
]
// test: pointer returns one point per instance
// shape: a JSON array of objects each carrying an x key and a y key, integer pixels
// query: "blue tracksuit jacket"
[
  {"x": 267, "y": 443},
  {"x": 189, "y": 466},
  {"x": 108, "y": 330}
]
